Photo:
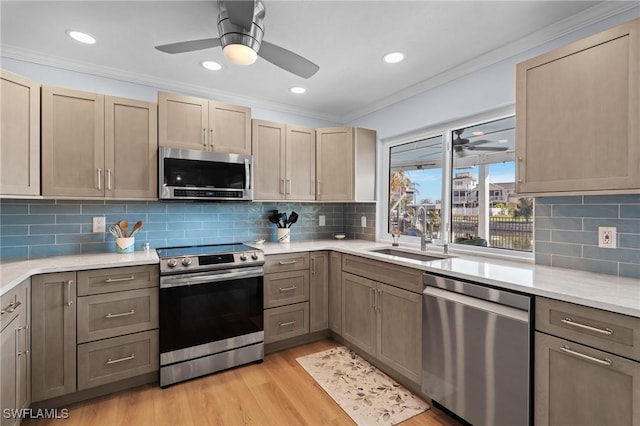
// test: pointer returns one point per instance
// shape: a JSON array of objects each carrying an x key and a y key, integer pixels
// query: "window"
[{"x": 471, "y": 185}]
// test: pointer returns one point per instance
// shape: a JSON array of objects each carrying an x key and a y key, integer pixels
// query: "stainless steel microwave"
[{"x": 189, "y": 174}]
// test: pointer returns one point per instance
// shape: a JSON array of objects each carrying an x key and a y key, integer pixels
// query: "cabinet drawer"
[
  {"x": 611, "y": 332},
  {"x": 118, "y": 358},
  {"x": 285, "y": 288},
  {"x": 98, "y": 281},
  {"x": 286, "y": 322},
  {"x": 398, "y": 276},
  {"x": 13, "y": 302},
  {"x": 107, "y": 315},
  {"x": 286, "y": 262}
]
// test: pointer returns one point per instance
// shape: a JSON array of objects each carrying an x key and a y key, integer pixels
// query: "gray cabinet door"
[
  {"x": 579, "y": 385},
  {"x": 335, "y": 292},
  {"x": 319, "y": 291},
  {"x": 8, "y": 349},
  {"x": 358, "y": 313},
  {"x": 334, "y": 159},
  {"x": 229, "y": 128},
  {"x": 400, "y": 330},
  {"x": 300, "y": 176},
  {"x": 268, "y": 160},
  {"x": 53, "y": 335},
  {"x": 183, "y": 121}
]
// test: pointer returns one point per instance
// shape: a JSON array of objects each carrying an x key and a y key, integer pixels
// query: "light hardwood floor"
[{"x": 275, "y": 392}]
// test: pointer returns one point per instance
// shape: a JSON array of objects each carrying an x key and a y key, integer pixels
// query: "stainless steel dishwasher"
[{"x": 476, "y": 351}]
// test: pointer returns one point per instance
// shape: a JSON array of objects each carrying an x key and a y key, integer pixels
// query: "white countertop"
[{"x": 608, "y": 292}]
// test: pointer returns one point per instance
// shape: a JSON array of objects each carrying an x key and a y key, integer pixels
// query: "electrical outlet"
[
  {"x": 98, "y": 224},
  {"x": 363, "y": 221},
  {"x": 321, "y": 220},
  {"x": 607, "y": 237}
]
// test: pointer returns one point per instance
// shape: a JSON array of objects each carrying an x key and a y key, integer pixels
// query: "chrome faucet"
[{"x": 423, "y": 237}]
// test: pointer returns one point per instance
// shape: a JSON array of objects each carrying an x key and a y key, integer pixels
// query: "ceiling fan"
[
  {"x": 460, "y": 145},
  {"x": 240, "y": 29}
]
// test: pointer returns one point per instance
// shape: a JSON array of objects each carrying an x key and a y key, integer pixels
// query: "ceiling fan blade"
[
  {"x": 240, "y": 12},
  {"x": 487, "y": 148},
  {"x": 480, "y": 142},
  {"x": 287, "y": 60},
  {"x": 189, "y": 46}
]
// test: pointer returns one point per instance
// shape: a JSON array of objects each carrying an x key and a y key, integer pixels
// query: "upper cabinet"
[
  {"x": 97, "y": 146},
  {"x": 195, "y": 123},
  {"x": 284, "y": 161},
  {"x": 345, "y": 164},
  {"x": 577, "y": 110},
  {"x": 19, "y": 135}
]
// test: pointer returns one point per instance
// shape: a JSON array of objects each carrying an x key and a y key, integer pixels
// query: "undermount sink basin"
[{"x": 424, "y": 257}]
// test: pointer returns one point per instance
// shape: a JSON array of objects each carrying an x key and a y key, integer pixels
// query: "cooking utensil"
[
  {"x": 292, "y": 219},
  {"x": 136, "y": 228},
  {"x": 124, "y": 226},
  {"x": 115, "y": 231}
]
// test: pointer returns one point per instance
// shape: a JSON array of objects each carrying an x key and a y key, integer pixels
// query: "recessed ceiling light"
[
  {"x": 477, "y": 133},
  {"x": 503, "y": 140},
  {"x": 297, "y": 90},
  {"x": 211, "y": 65},
  {"x": 393, "y": 57},
  {"x": 81, "y": 37}
]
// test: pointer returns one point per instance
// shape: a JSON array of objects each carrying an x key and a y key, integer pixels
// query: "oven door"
[{"x": 209, "y": 312}]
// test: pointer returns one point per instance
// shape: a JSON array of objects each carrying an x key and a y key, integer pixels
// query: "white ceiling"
[{"x": 347, "y": 39}]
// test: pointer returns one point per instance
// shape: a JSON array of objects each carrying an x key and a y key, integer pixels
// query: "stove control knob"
[
  {"x": 243, "y": 257},
  {"x": 254, "y": 256},
  {"x": 186, "y": 261},
  {"x": 171, "y": 263}
]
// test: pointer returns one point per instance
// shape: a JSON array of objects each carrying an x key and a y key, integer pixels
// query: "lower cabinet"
[
  {"x": 286, "y": 322},
  {"x": 14, "y": 353},
  {"x": 335, "y": 292},
  {"x": 319, "y": 291},
  {"x": 587, "y": 369},
  {"x": 384, "y": 321}
]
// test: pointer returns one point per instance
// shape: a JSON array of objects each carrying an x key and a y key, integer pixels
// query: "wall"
[
  {"x": 38, "y": 228},
  {"x": 567, "y": 233}
]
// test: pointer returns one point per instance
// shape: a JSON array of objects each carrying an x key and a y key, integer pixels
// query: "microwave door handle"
[{"x": 247, "y": 173}]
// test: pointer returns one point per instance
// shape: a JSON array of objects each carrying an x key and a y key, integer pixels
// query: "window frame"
[{"x": 445, "y": 130}]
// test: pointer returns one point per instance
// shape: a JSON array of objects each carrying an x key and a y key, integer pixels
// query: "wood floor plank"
[{"x": 277, "y": 391}]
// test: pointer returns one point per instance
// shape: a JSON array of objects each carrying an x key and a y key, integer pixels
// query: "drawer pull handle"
[
  {"x": 126, "y": 358},
  {"x": 69, "y": 300},
  {"x": 288, "y": 262},
  {"x": 288, "y": 288},
  {"x": 606, "y": 331},
  {"x": 284, "y": 324},
  {"x": 606, "y": 361},
  {"x": 117, "y": 280},
  {"x": 123, "y": 314},
  {"x": 11, "y": 307}
]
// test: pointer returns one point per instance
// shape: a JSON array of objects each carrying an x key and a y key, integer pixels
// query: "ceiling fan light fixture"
[
  {"x": 393, "y": 57},
  {"x": 211, "y": 65},
  {"x": 81, "y": 37},
  {"x": 240, "y": 54}
]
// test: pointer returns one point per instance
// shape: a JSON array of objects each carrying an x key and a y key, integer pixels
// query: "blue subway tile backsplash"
[
  {"x": 40, "y": 228},
  {"x": 567, "y": 233}
]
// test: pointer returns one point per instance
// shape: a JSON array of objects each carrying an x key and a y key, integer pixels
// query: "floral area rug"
[{"x": 365, "y": 393}]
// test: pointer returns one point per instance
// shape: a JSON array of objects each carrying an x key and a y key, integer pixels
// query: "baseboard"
[{"x": 295, "y": 341}]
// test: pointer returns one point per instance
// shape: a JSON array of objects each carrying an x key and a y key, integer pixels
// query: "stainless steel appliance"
[
  {"x": 188, "y": 174},
  {"x": 477, "y": 351},
  {"x": 211, "y": 309}
]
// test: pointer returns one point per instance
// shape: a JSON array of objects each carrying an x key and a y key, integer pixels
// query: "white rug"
[{"x": 366, "y": 394}]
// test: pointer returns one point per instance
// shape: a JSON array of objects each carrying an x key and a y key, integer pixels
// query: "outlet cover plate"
[
  {"x": 607, "y": 237},
  {"x": 321, "y": 220},
  {"x": 99, "y": 224},
  {"x": 363, "y": 221}
]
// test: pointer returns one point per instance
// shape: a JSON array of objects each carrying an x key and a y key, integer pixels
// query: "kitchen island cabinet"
[
  {"x": 189, "y": 122},
  {"x": 19, "y": 135},
  {"x": 577, "y": 109}
]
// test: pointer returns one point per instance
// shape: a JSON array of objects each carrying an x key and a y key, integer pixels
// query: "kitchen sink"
[{"x": 424, "y": 257}]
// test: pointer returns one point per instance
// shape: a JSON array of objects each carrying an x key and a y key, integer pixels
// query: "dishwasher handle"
[{"x": 483, "y": 305}]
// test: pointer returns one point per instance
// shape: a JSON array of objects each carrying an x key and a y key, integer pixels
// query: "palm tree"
[{"x": 524, "y": 208}]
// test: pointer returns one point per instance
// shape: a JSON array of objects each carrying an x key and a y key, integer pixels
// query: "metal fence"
[{"x": 504, "y": 232}]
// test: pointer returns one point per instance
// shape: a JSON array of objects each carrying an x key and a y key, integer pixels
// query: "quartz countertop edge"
[{"x": 607, "y": 292}]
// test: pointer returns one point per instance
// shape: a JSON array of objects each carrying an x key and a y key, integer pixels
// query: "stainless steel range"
[{"x": 211, "y": 309}]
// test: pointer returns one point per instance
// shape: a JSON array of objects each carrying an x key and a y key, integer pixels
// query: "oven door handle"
[{"x": 210, "y": 277}]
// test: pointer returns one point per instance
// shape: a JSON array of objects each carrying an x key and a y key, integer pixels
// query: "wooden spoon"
[
  {"x": 124, "y": 225},
  {"x": 136, "y": 228}
]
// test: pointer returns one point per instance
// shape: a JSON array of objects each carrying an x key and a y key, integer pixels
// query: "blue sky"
[{"x": 429, "y": 181}]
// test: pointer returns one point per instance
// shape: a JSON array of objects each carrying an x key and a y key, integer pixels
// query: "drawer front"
[
  {"x": 608, "y": 331},
  {"x": 108, "y": 315},
  {"x": 13, "y": 302},
  {"x": 99, "y": 281},
  {"x": 286, "y": 322},
  {"x": 286, "y": 262},
  {"x": 398, "y": 276},
  {"x": 116, "y": 359},
  {"x": 285, "y": 288}
]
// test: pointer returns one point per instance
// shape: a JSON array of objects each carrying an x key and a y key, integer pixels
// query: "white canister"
[
  {"x": 284, "y": 235},
  {"x": 125, "y": 245}
]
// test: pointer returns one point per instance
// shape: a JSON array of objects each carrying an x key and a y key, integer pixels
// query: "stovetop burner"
[{"x": 186, "y": 259}]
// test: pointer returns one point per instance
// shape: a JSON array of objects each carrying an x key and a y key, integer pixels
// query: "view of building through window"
[{"x": 484, "y": 209}]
